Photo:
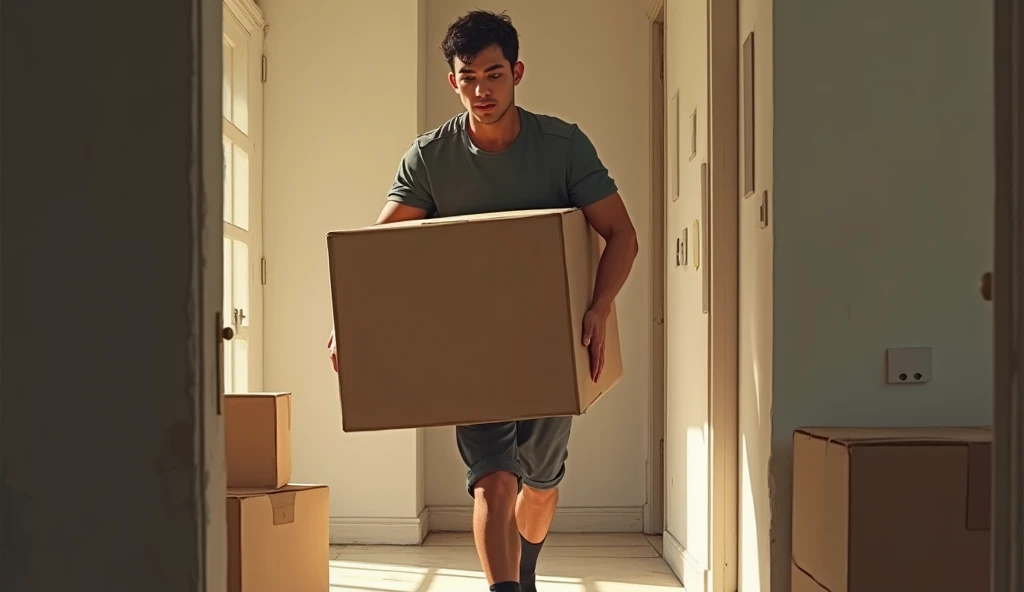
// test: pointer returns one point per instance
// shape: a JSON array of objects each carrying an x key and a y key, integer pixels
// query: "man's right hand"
[{"x": 333, "y": 348}]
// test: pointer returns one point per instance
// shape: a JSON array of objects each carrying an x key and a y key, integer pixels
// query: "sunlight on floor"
[{"x": 447, "y": 562}]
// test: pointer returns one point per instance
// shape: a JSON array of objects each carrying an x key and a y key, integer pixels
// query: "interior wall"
[
  {"x": 587, "y": 63},
  {"x": 883, "y": 151},
  {"x": 342, "y": 104},
  {"x": 110, "y": 477},
  {"x": 756, "y": 323}
]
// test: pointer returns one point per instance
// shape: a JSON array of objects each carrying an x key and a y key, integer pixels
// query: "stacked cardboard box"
[
  {"x": 467, "y": 319},
  {"x": 891, "y": 510},
  {"x": 278, "y": 535}
]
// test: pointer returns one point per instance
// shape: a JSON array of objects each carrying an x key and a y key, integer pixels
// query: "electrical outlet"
[{"x": 908, "y": 365}]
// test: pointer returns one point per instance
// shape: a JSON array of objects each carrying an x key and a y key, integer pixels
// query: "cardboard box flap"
[
  {"x": 238, "y": 493},
  {"x": 257, "y": 395},
  {"x": 449, "y": 220},
  {"x": 848, "y": 436}
]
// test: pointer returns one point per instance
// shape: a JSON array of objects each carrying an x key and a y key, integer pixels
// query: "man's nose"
[{"x": 482, "y": 91}]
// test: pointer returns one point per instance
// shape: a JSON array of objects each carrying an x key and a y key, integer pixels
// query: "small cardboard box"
[
  {"x": 258, "y": 439},
  {"x": 467, "y": 319},
  {"x": 279, "y": 539},
  {"x": 891, "y": 509}
]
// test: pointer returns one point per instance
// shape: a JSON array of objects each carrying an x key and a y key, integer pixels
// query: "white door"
[
  {"x": 1003, "y": 287},
  {"x": 243, "y": 68},
  {"x": 687, "y": 443}
]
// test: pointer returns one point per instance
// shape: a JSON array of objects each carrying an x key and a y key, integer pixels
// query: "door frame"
[
  {"x": 654, "y": 508},
  {"x": 722, "y": 230},
  {"x": 1008, "y": 297}
]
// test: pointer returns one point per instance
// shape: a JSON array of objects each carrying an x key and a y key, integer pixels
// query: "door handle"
[{"x": 985, "y": 286}]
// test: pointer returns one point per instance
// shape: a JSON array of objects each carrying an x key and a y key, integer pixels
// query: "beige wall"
[
  {"x": 883, "y": 179},
  {"x": 340, "y": 109},
  {"x": 576, "y": 72}
]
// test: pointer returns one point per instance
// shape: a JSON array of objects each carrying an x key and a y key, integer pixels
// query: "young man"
[{"x": 498, "y": 157}]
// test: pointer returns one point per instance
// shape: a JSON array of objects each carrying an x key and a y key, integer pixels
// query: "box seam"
[{"x": 568, "y": 307}]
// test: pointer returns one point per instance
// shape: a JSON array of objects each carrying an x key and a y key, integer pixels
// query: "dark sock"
[
  {"x": 506, "y": 587},
  {"x": 528, "y": 564}
]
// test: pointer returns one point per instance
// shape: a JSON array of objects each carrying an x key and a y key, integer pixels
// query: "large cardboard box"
[
  {"x": 279, "y": 539},
  {"x": 468, "y": 319},
  {"x": 891, "y": 510},
  {"x": 258, "y": 439}
]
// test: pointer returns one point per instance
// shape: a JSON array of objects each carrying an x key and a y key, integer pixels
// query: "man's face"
[{"x": 487, "y": 85}]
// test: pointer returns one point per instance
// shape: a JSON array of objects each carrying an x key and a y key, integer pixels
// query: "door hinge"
[
  {"x": 263, "y": 74},
  {"x": 263, "y": 271}
]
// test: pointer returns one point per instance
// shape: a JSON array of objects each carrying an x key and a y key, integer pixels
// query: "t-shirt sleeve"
[
  {"x": 412, "y": 184},
  {"x": 589, "y": 181}
]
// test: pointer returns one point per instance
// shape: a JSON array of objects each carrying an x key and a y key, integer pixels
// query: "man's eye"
[
  {"x": 496, "y": 75},
  {"x": 468, "y": 79}
]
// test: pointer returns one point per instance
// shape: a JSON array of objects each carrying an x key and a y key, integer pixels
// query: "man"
[{"x": 499, "y": 157}]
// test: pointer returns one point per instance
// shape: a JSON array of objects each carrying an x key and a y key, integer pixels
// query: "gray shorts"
[{"x": 533, "y": 450}]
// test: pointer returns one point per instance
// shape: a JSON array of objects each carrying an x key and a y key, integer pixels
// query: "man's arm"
[
  {"x": 611, "y": 220},
  {"x": 399, "y": 212}
]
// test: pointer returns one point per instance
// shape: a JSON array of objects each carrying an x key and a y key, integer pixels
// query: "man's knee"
[
  {"x": 498, "y": 489},
  {"x": 540, "y": 496}
]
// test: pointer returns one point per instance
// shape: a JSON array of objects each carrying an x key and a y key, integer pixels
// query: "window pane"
[
  {"x": 229, "y": 172},
  {"x": 240, "y": 365},
  {"x": 240, "y": 280},
  {"x": 227, "y": 78},
  {"x": 228, "y": 282},
  {"x": 240, "y": 193}
]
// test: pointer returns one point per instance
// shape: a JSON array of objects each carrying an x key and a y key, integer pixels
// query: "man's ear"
[
  {"x": 453, "y": 82},
  {"x": 517, "y": 72}
]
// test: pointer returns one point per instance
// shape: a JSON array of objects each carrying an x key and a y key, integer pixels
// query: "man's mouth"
[{"x": 484, "y": 106}]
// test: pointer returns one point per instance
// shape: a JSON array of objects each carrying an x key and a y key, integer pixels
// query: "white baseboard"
[
  {"x": 693, "y": 577},
  {"x": 613, "y": 519},
  {"x": 379, "y": 531}
]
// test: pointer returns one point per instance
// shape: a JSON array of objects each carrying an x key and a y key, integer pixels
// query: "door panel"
[{"x": 687, "y": 449}]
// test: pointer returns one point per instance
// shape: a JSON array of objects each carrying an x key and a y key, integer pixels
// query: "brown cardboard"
[
  {"x": 258, "y": 439},
  {"x": 801, "y": 582},
  {"x": 891, "y": 509},
  {"x": 279, "y": 539},
  {"x": 468, "y": 319}
]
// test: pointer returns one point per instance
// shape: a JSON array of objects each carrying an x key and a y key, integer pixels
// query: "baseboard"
[
  {"x": 693, "y": 577},
  {"x": 379, "y": 531},
  {"x": 612, "y": 519}
]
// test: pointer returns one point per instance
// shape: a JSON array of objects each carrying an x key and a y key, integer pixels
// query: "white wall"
[
  {"x": 342, "y": 104},
  {"x": 883, "y": 179},
  {"x": 587, "y": 63}
]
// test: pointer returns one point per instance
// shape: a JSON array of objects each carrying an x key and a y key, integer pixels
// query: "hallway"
[{"x": 447, "y": 562}]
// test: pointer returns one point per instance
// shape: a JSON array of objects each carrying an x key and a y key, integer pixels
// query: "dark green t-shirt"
[{"x": 552, "y": 164}]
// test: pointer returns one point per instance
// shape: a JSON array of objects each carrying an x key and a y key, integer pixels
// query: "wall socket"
[{"x": 908, "y": 365}]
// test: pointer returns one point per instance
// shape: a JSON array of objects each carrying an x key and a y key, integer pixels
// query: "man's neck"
[{"x": 499, "y": 135}]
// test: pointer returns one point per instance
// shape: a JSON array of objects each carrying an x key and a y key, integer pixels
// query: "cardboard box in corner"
[
  {"x": 467, "y": 319},
  {"x": 279, "y": 539},
  {"x": 891, "y": 509}
]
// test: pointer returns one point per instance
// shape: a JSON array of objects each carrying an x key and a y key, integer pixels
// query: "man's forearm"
[{"x": 616, "y": 262}]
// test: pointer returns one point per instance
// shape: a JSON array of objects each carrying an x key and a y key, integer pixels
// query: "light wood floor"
[{"x": 447, "y": 562}]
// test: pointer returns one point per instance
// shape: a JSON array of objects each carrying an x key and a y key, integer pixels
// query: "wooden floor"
[{"x": 448, "y": 563}]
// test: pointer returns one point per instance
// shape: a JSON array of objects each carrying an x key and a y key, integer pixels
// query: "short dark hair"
[{"x": 476, "y": 31}]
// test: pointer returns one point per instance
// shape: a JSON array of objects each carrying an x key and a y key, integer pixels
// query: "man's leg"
[
  {"x": 493, "y": 479},
  {"x": 543, "y": 450}
]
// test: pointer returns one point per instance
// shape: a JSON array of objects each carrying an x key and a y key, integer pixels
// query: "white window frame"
[{"x": 244, "y": 23}]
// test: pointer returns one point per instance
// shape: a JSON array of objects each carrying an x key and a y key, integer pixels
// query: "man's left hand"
[{"x": 594, "y": 323}]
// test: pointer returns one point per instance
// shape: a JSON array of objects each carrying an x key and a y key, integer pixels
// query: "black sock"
[
  {"x": 528, "y": 564},
  {"x": 506, "y": 587}
]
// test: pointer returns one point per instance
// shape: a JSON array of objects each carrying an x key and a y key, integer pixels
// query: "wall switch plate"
[{"x": 908, "y": 365}]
